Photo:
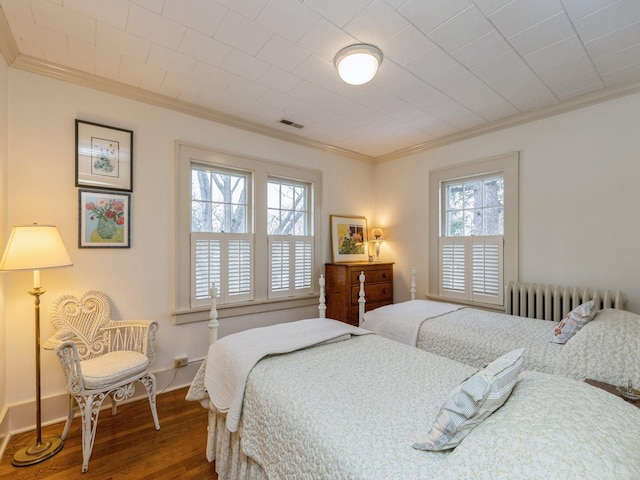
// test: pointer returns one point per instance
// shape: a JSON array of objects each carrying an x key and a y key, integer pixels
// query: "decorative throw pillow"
[
  {"x": 472, "y": 401},
  {"x": 574, "y": 321}
]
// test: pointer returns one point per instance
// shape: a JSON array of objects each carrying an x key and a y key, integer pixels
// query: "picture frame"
[
  {"x": 348, "y": 238},
  {"x": 104, "y": 156},
  {"x": 104, "y": 219}
]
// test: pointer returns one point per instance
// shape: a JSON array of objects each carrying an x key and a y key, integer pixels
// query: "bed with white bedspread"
[
  {"x": 353, "y": 408},
  {"x": 607, "y": 348}
]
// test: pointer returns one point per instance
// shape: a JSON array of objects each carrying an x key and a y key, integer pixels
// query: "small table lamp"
[
  {"x": 35, "y": 247},
  {"x": 377, "y": 234}
]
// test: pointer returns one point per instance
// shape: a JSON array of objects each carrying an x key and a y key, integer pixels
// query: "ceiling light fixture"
[{"x": 357, "y": 64}]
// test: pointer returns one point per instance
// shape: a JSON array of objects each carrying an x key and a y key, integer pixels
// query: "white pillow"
[
  {"x": 574, "y": 321},
  {"x": 472, "y": 401}
]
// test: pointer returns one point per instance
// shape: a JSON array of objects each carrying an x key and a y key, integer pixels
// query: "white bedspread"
[
  {"x": 402, "y": 321},
  {"x": 231, "y": 358},
  {"x": 477, "y": 337},
  {"x": 352, "y": 410},
  {"x": 605, "y": 349}
]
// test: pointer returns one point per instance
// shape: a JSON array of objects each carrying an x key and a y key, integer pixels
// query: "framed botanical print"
[
  {"x": 348, "y": 238},
  {"x": 105, "y": 219},
  {"x": 104, "y": 156}
]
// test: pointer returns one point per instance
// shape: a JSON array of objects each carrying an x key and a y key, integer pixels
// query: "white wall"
[
  {"x": 139, "y": 280},
  {"x": 579, "y": 197}
]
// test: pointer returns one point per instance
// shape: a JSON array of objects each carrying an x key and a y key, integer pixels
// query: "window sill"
[{"x": 190, "y": 315}]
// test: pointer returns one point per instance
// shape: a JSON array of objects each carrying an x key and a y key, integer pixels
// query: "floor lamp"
[{"x": 35, "y": 247}]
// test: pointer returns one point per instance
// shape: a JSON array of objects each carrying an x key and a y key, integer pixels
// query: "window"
[
  {"x": 290, "y": 239},
  {"x": 474, "y": 230},
  {"x": 221, "y": 243},
  {"x": 249, "y": 226}
]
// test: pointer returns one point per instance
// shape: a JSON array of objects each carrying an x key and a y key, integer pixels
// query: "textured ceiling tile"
[
  {"x": 64, "y": 21},
  {"x": 203, "y": 16},
  {"x": 171, "y": 60},
  {"x": 111, "y": 12},
  {"x": 548, "y": 32},
  {"x": 282, "y": 53},
  {"x": 148, "y": 25},
  {"x": 376, "y": 23},
  {"x": 406, "y": 45},
  {"x": 338, "y": 12},
  {"x": 462, "y": 29},
  {"x": 482, "y": 50},
  {"x": 119, "y": 41},
  {"x": 325, "y": 40},
  {"x": 290, "y": 19},
  {"x": 522, "y": 14},
  {"x": 428, "y": 15},
  {"x": 238, "y": 32},
  {"x": 211, "y": 76},
  {"x": 240, "y": 63},
  {"x": 203, "y": 48}
]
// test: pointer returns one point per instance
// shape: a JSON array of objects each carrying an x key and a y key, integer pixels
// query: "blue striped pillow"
[{"x": 472, "y": 401}]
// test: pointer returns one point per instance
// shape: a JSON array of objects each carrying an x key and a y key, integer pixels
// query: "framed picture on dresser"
[{"x": 348, "y": 238}]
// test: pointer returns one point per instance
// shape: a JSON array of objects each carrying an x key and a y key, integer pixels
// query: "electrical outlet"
[{"x": 181, "y": 362}]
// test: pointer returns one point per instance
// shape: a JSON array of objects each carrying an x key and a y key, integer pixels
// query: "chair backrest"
[{"x": 83, "y": 319}]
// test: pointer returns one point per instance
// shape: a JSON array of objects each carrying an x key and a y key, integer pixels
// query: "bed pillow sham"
[
  {"x": 574, "y": 321},
  {"x": 472, "y": 401}
]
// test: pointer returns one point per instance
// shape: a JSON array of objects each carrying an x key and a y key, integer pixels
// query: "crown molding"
[
  {"x": 576, "y": 103},
  {"x": 8, "y": 47}
]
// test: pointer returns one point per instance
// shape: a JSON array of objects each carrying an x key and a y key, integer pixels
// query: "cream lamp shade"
[
  {"x": 34, "y": 247},
  {"x": 357, "y": 64}
]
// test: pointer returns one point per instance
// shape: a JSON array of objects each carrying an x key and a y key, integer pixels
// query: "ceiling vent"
[{"x": 290, "y": 123}]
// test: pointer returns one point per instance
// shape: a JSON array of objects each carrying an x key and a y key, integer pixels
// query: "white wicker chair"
[{"x": 100, "y": 357}]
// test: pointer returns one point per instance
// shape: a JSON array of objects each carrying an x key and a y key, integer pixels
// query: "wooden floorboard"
[{"x": 127, "y": 446}]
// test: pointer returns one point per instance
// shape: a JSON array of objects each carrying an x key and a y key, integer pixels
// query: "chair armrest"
[
  {"x": 54, "y": 342},
  {"x": 131, "y": 335},
  {"x": 67, "y": 352}
]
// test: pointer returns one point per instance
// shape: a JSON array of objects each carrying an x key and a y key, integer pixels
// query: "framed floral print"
[
  {"x": 104, "y": 219},
  {"x": 348, "y": 238},
  {"x": 104, "y": 156}
]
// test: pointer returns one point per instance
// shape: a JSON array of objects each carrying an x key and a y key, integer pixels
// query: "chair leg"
[
  {"x": 149, "y": 382},
  {"x": 89, "y": 411},
  {"x": 72, "y": 405}
]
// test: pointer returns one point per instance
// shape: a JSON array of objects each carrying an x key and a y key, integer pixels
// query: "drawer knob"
[
  {"x": 384, "y": 275},
  {"x": 385, "y": 291}
]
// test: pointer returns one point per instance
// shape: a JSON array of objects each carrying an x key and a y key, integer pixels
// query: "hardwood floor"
[{"x": 126, "y": 446}]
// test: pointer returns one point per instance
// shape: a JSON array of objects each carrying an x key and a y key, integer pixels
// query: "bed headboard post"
[
  {"x": 213, "y": 316},
  {"x": 413, "y": 283},
  {"x": 322, "y": 307},
  {"x": 361, "y": 299}
]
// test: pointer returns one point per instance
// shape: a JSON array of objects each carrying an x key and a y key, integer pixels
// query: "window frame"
[
  {"x": 508, "y": 166},
  {"x": 261, "y": 171}
]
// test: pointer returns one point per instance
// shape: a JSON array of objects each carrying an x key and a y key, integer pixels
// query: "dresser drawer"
[
  {"x": 373, "y": 275},
  {"x": 377, "y": 292}
]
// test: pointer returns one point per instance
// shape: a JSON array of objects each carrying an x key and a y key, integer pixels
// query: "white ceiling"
[{"x": 450, "y": 66}]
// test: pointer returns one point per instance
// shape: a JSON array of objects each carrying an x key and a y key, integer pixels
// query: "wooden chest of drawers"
[{"x": 342, "y": 286}]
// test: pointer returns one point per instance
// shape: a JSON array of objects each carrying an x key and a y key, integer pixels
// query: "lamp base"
[{"x": 37, "y": 453}]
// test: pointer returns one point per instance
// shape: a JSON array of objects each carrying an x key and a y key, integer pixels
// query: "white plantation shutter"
[
  {"x": 453, "y": 265},
  {"x": 471, "y": 268},
  {"x": 290, "y": 265},
  {"x": 279, "y": 265},
  {"x": 303, "y": 264},
  {"x": 206, "y": 258},
  {"x": 232, "y": 277},
  {"x": 487, "y": 269}
]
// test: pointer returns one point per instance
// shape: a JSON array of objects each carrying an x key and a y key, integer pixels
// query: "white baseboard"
[{"x": 21, "y": 417}]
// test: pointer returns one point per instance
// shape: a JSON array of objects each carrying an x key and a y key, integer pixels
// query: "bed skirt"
[{"x": 223, "y": 447}]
